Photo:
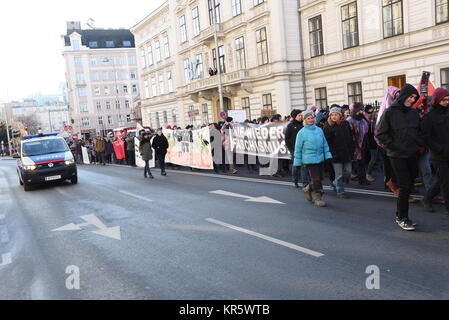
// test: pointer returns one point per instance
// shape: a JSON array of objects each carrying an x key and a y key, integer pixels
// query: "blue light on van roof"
[{"x": 41, "y": 136}]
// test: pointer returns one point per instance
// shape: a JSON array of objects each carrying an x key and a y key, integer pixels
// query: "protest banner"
[
  {"x": 190, "y": 148},
  {"x": 260, "y": 140},
  {"x": 85, "y": 155}
]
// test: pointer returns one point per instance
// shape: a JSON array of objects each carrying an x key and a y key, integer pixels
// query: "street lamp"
[{"x": 106, "y": 60}]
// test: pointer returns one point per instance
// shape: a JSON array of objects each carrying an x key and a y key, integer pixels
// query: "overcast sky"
[{"x": 31, "y": 44}]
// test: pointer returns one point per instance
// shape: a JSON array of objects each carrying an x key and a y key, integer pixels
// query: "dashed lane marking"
[
  {"x": 135, "y": 196},
  {"x": 271, "y": 239}
]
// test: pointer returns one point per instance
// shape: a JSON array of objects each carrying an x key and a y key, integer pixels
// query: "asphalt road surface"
[{"x": 202, "y": 236}]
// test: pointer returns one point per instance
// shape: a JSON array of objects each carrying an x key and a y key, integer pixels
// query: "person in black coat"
[
  {"x": 435, "y": 127},
  {"x": 339, "y": 136},
  {"x": 160, "y": 146},
  {"x": 290, "y": 141},
  {"x": 400, "y": 131}
]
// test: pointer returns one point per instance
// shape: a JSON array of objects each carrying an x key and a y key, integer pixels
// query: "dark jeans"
[
  {"x": 130, "y": 158},
  {"x": 100, "y": 157},
  {"x": 161, "y": 160},
  {"x": 375, "y": 158},
  {"x": 406, "y": 171},
  {"x": 299, "y": 172},
  {"x": 441, "y": 183},
  {"x": 388, "y": 170},
  {"x": 360, "y": 170},
  {"x": 316, "y": 176},
  {"x": 147, "y": 167}
]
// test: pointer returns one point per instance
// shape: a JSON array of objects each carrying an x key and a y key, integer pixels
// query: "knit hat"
[
  {"x": 295, "y": 113},
  {"x": 320, "y": 117},
  {"x": 308, "y": 113},
  {"x": 356, "y": 107},
  {"x": 335, "y": 109},
  {"x": 439, "y": 95}
]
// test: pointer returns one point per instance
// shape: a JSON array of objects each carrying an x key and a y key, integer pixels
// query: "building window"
[
  {"x": 132, "y": 60},
  {"x": 97, "y": 91},
  {"x": 262, "y": 46},
  {"x": 121, "y": 60},
  {"x": 165, "y": 117},
  {"x": 321, "y": 98},
  {"x": 316, "y": 37},
  {"x": 187, "y": 71},
  {"x": 134, "y": 89},
  {"x": 221, "y": 58},
  {"x": 108, "y": 105},
  {"x": 98, "y": 106},
  {"x": 442, "y": 10},
  {"x": 173, "y": 115},
  {"x": 166, "y": 47},
  {"x": 107, "y": 91},
  {"x": 110, "y": 44},
  {"x": 214, "y": 11},
  {"x": 93, "y": 62},
  {"x": 198, "y": 71},
  {"x": 161, "y": 84},
  {"x": 240, "y": 53},
  {"x": 350, "y": 25},
  {"x": 83, "y": 108},
  {"x": 117, "y": 104},
  {"x": 105, "y": 76},
  {"x": 81, "y": 92},
  {"x": 124, "y": 75},
  {"x": 392, "y": 17},
  {"x": 445, "y": 78},
  {"x": 127, "y": 43},
  {"x": 100, "y": 120},
  {"x": 93, "y": 44},
  {"x": 355, "y": 92},
  {"x": 85, "y": 122},
  {"x": 133, "y": 75},
  {"x": 110, "y": 120},
  {"x": 205, "y": 113},
  {"x": 144, "y": 58},
  {"x": 127, "y": 104},
  {"x": 236, "y": 7},
  {"x": 267, "y": 102},
  {"x": 80, "y": 78},
  {"x": 95, "y": 76},
  {"x": 78, "y": 62},
  {"x": 125, "y": 89},
  {"x": 157, "y": 49},
  {"x": 397, "y": 81},
  {"x": 147, "y": 89},
  {"x": 247, "y": 107},
  {"x": 150, "y": 55},
  {"x": 257, "y": 2},
  {"x": 183, "y": 28},
  {"x": 76, "y": 45},
  {"x": 153, "y": 86},
  {"x": 169, "y": 81},
  {"x": 196, "y": 21},
  {"x": 158, "y": 123}
]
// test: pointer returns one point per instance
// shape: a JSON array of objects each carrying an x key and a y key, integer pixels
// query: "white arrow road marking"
[
  {"x": 248, "y": 198},
  {"x": 113, "y": 232},
  {"x": 6, "y": 259},
  {"x": 274, "y": 240},
  {"x": 135, "y": 196}
]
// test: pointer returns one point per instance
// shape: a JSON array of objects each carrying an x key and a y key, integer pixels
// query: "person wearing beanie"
[
  {"x": 290, "y": 141},
  {"x": 312, "y": 150},
  {"x": 435, "y": 127},
  {"x": 360, "y": 127},
  {"x": 338, "y": 134},
  {"x": 399, "y": 131},
  {"x": 321, "y": 119}
]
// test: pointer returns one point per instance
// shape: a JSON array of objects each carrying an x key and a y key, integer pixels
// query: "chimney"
[{"x": 73, "y": 26}]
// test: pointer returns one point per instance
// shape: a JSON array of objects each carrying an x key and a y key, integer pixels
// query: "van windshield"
[{"x": 37, "y": 148}]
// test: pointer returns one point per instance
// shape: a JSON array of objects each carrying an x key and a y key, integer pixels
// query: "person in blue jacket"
[{"x": 312, "y": 150}]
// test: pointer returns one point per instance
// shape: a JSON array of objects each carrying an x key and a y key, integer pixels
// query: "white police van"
[{"x": 45, "y": 158}]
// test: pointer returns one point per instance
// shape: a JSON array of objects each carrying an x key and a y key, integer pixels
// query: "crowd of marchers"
[{"x": 409, "y": 137}]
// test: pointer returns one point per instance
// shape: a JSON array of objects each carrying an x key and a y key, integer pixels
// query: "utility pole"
[{"x": 220, "y": 80}]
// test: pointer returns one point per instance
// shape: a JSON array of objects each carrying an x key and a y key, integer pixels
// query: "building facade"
[
  {"x": 101, "y": 75},
  {"x": 252, "y": 48},
  {"x": 354, "y": 50}
]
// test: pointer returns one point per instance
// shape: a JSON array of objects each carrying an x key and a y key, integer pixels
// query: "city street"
[{"x": 201, "y": 236}]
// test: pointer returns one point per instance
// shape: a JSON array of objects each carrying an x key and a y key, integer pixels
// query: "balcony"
[
  {"x": 229, "y": 79},
  {"x": 207, "y": 35}
]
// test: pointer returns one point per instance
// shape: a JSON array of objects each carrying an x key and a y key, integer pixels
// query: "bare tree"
[{"x": 30, "y": 123}]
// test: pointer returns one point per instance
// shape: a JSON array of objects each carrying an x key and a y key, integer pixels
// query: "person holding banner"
[
  {"x": 160, "y": 146},
  {"x": 312, "y": 150},
  {"x": 146, "y": 151}
]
